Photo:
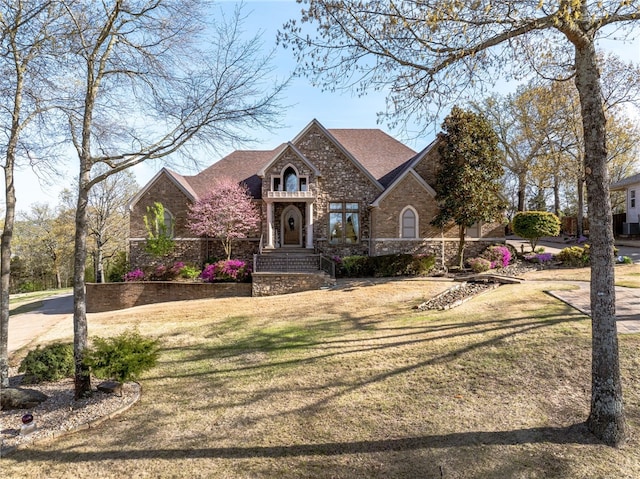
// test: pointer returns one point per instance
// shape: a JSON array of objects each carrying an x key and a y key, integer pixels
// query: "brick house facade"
[{"x": 336, "y": 192}]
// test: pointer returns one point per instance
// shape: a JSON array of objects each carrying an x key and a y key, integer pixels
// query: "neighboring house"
[
  {"x": 336, "y": 192},
  {"x": 631, "y": 187}
]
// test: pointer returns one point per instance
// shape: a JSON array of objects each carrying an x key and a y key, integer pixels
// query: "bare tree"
[
  {"x": 144, "y": 89},
  {"x": 27, "y": 28},
  {"x": 108, "y": 217},
  {"x": 429, "y": 53}
]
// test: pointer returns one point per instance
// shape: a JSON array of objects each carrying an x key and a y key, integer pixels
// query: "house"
[
  {"x": 336, "y": 192},
  {"x": 631, "y": 188}
]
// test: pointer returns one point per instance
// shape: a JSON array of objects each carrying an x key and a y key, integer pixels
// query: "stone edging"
[{"x": 88, "y": 425}]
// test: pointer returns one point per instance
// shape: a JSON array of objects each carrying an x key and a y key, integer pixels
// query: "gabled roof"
[
  {"x": 298, "y": 153},
  {"x": 380, "y": 154},
  {"x": 380, "y": 157},
  {"x": 241, "y": 166},
  {"x": 405, "y": 169},
  {"x": 180, "y": 181},
  {"x": 622, "y": 184}
]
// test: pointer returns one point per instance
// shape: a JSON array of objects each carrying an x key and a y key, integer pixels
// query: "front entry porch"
[{"x": 289, "y": 225}]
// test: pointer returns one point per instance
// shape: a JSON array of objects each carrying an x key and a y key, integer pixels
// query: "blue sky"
[{"x": 333, "y": 110}]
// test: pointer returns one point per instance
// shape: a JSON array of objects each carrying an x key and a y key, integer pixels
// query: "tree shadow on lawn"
[
  {"x": 509, "y": 328},
  {"x": 271, "y": 341},
  {"x": 574, "y": 434}
]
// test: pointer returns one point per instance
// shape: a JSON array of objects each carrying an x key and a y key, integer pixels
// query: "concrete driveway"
[
  {"x": 630, "y": 248},
  {"x": 56, "y": 314}
]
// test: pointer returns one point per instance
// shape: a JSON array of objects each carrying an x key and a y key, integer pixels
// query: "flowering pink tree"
[{"x": 227, "y": 213}]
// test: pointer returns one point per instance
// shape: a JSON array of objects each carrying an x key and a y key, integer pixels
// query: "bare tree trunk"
[
  {"x": 556, "y": 195},
  {"x": 80, "y": 330},
  {"x": 5, "y": 270},
  {"x": 522, "y": 189},
  {"x": 606, "y": 418},
  {"x": 580, "y": 213},
  {"x": 461, "y": 234}
]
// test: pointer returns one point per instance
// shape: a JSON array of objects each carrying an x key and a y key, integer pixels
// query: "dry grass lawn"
[{"x": 354, "y": 383}]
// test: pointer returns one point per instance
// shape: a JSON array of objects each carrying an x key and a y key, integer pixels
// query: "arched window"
[
  {"x": 168, "y": 223},
  {"x": 290, "y": 180},
  {"x": 408, "y": 223}
]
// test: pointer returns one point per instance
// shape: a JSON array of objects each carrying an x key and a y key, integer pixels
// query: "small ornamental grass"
[
  {"x": 122, "y": 358},
  {"x": 50, "y": 363}
]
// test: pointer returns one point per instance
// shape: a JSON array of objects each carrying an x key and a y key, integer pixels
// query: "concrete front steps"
[{"x": 288, "y": 270}]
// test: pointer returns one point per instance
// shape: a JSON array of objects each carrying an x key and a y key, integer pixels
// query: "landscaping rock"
[
  {"x": 20, "y": 398},
  {"x": 456, "y": 295},
  {"x": 110, "y": 387}
]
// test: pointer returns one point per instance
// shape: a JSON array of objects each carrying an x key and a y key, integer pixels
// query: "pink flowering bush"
[
  {"x": 498, "y": 256},
  {"x": 226, "y": 270},
  {"x": 135, "y": 275}
]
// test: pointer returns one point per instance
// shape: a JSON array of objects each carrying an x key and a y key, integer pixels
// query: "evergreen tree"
[{"x": 467, "y": 183}]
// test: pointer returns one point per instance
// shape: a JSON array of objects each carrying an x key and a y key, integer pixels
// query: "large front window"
[{"x": 344, "y": 223}]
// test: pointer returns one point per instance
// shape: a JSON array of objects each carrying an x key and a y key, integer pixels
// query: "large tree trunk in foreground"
[
  {"x": 5, "y": 274},
  {"x": 606, "y": 418},
  {"x": 80, "y": 330}
]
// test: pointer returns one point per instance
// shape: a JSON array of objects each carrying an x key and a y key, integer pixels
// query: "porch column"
[
  {"x": 309, "y": 215},
  {"x": 270, "y": 225}
]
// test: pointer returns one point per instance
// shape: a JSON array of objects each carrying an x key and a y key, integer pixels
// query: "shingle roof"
[
  {"x": 630, "y": 180},
  {"x": 241, "y": 166},
  {"x": 381, "y": 155}
]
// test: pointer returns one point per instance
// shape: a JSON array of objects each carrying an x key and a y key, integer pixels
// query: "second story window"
[{"x": 290, "y": 180}]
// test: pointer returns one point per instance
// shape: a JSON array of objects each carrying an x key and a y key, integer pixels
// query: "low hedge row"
[{"x": 385, "y": 265}]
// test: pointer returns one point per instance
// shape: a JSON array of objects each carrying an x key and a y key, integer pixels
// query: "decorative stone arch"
[
  {"x": 409, "y": 226},
  {"x": 291, "y": 227},
  {"x": 290, "y": 179}
]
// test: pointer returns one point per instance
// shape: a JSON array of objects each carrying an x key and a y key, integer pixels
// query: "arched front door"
[{"x": 291, "y": 233}]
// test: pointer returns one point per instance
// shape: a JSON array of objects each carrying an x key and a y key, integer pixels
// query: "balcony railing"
[{"x": 291, "y": 194}]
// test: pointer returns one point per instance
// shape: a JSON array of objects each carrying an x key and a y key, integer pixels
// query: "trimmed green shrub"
[
  {"x": 357, "y": 266},
  {"x": 50, "y": 363},
  {"x": 479, "y": 265},
  {"x": 122, "y": 358},
  {"x": 574, "y": 256},
  {"x": 386, "y": 265},
  {"x": 533, "y": 225}
]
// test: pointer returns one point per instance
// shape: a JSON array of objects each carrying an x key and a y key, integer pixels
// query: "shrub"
[
  {"x": 533, "y": 225},
  {"x": 479, "y": 265},
  {"x": 421, "y": 265},
  {"x": 123, "y": 357},
  {"x": 227, "y": 271},
  {"x": 189, "y": 272},
  {"x": 50, "y": 363},
  {"x": 135, "y": 275},
  {"x": 574, "y": 256},
  {"x": 385, "y": 265},
  {"x": 499, "y": 256},
  {"x": 357, "y": 266},
  {"x": 118, "y": 267}
]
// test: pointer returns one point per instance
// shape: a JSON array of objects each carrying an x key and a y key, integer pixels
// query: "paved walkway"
[{"x": 627, "y": 304}]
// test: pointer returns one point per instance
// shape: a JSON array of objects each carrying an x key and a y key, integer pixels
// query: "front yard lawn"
[{"x": 354, "y": 383}]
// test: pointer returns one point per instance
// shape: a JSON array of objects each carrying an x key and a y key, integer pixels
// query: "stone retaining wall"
[
  {"x": 271, "y": 284},
  {"x": 112, "y": 296}
]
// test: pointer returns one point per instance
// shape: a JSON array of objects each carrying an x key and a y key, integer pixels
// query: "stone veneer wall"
[
  {"x": 112, "y": 296},
  {"x": 473, "y": 247},
  {"x": 272, "y": 284},
  {"x": 341, "y": 181}
]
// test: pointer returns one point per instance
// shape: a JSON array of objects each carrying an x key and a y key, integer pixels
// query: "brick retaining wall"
[
  {"x": 271, "y": 284},
  {"x": 112, "y": 296}
]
